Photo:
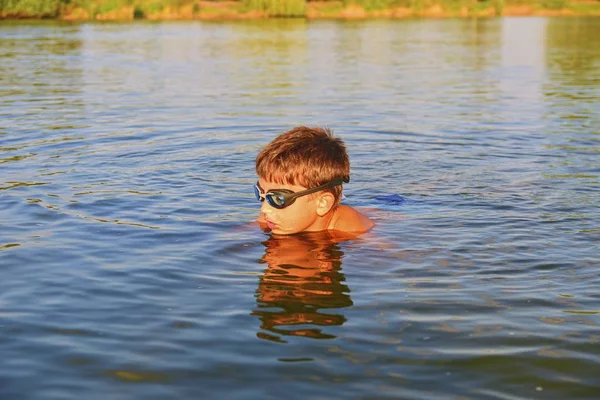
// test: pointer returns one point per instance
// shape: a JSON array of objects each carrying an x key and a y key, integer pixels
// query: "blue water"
[{"x": 130, "y": 267}]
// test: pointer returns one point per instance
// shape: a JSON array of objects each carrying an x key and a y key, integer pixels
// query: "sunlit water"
[{"x": 129, "y": 268}]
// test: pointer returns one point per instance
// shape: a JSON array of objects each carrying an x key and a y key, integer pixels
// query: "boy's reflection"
[{"x": 303, "y": 275}]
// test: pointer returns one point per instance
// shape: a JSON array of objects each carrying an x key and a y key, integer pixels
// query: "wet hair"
[{"x": 305, "y": 156}]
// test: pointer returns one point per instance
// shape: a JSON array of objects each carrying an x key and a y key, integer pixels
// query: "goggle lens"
[{"x": 276, "y": 200}]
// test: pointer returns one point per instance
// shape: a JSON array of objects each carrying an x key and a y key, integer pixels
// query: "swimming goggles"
[{"x": 281, "y": 198}]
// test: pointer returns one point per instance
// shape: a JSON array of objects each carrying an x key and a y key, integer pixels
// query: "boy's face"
[{"x": 300, "y": 216}]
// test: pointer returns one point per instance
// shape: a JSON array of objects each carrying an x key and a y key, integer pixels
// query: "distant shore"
[{"x": 236, "y": 10}]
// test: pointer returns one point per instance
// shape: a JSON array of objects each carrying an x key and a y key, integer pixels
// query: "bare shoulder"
[{"x": 347, "y": 219}]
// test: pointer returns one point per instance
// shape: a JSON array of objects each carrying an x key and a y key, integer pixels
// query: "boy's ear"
[{"x": 325, "y": 203}]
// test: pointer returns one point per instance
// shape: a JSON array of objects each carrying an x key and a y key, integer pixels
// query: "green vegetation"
[
  {"x": 278, "y": 8},
  {"x": 377, "y": 4},
  {"x": 86, "y": 9},
  {"x": 554, "y": 4},
  {"x": 204, "y": 9},
  {"x": 30, "y": 8}
]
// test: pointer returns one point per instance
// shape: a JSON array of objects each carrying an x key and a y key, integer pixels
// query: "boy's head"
[
  {"x": 300, "y": 159},
  {"x": 304, "y": 156}
]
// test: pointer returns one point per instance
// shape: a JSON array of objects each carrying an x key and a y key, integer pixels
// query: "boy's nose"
[{"x": 265, "y": 208}]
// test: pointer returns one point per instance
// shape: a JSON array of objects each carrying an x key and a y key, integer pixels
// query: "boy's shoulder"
[{"x": 348, "y": 219}]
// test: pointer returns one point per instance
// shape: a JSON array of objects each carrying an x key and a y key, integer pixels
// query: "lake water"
[{"x": 129, "y": 269}]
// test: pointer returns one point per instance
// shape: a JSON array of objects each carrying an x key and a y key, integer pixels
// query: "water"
[{"x": 130, "y": 268}]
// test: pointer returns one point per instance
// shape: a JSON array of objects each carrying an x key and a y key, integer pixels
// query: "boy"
[{"x": 300, "y": 184}]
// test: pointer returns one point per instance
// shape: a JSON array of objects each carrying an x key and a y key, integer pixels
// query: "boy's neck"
[{"x": 327, "y": 221}]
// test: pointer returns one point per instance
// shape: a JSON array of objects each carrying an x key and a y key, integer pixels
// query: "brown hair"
[{"x": 305, "y": 156}]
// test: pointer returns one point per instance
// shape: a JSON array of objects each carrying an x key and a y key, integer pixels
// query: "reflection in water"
[
  {"x": 573, "y": 75},
  {"x": 570, "y": 49},
  {"x": 303, "y": 276},
  {"x": 571, "y": 119}
]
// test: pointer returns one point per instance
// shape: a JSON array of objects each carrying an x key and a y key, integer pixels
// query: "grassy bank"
[{"x": 245, "y": 9}]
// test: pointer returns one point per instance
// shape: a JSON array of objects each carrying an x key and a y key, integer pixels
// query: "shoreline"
[{"x": 231, "y": 10}]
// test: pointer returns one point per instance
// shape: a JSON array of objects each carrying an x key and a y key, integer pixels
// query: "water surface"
[{"x": 130, "y": 269}]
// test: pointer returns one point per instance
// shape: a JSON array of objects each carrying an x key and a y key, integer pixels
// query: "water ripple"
[{"x": 131, "y": 268}]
